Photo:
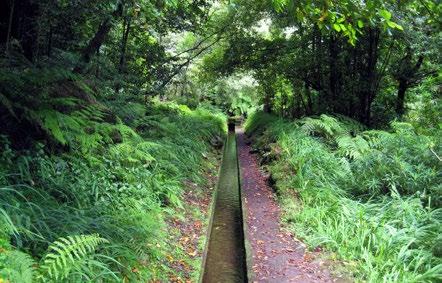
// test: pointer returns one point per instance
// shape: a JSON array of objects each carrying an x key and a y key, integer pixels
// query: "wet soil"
[{"x": 276, "y": 256}]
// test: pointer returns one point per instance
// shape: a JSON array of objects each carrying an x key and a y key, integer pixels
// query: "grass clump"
[{"x": 370, "y": 197}]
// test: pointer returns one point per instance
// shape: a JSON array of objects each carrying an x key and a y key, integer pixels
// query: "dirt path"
[{"x": 276, "y": 256}]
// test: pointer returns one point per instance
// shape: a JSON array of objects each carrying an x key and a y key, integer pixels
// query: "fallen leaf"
[{"x": 194, "y": 253}]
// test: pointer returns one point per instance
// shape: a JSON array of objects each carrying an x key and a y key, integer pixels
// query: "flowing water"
[{"x": 225, "y": 260}]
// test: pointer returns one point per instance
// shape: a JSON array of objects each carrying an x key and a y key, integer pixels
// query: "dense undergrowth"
[
  {"x": 371, "y": 197},
  {"x": 85, "y": 185}
]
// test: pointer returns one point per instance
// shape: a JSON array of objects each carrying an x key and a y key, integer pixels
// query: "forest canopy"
[{"x": 359, "y": 59}]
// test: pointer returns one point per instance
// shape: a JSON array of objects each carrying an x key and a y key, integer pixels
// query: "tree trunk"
[
  {"x": 126, "y": 30},
  {"x": 309, "y": 100},
  {"x": 29, "y": 29},
  {"x": 352, "y": 112},
  {"x": 304, "y": 105},
  {"x": 49, "y": 44},
  {"x": 98, "y": 39},
  {"x": 333, "y": 73},
  {"x": 93, "y": 45},
  {"x": 124, "y": 38},
  {"x": 97, "y": 69},
  {"x": 267, "y": 103},
  {"x": 368, "y": 93},
  {"x": 401, "y": 97},
  {"x": 406, "y": 75},
  {"x": 11, "y": 16}
]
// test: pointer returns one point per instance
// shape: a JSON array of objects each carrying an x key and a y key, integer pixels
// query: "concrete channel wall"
[{"x": 227, "y": 254}]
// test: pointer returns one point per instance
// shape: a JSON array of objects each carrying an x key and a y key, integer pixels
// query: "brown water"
[{"x": 225, "y": 260}]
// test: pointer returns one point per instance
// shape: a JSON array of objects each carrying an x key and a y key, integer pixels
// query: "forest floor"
[
  {"x": 189, "y": 227},
  {"x": 276, "y": 256}
]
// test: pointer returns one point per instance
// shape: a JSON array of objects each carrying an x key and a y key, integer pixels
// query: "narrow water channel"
[{"x": 225, "y": 260}]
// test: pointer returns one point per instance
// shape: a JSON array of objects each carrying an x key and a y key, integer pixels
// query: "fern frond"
[
  {"x": 127, "y": 132},
  {"x": 133, "y": 153},
  {"x": 49, "y": 121},
  {"x": 325, "y": 126},
  {"x": 18, "y": 267},
  {"x": 402, "y": 127},
  {"x": 352, "y": 147},
  {"x": 376, "y": 138},
  {"x": 66, "y": 253}
]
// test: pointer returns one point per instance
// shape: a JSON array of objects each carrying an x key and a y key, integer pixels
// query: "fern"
[
  {"x": 116, "y": 189},
  {"x": 61, "y": 105},
  {"x": 352, "y": 147},
  {"x": 402, "y": 127},
  {"x": 127, "y": 132},
  {"x": 326, "y": 126},
  {"x": 366, "y": 196},
  {"x": 133, "y": 153},
  {"x": 65, "y": 254},
  {"x": 18, "y": 267}
]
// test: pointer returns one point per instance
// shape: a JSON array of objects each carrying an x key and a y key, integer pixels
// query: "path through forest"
[{"x": 275, "y": 255}]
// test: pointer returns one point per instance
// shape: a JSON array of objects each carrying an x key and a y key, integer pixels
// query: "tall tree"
[{"x": 95, "y": 43}]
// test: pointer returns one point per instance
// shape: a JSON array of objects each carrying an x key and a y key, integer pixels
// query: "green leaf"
[
  {"x": 394, "y": 25},
  {"x": 337, "y": 27},
  {"x": 279, "y": 5},
  {"x": 385, "y": 14},
  {"x": 51, "y": 124},
  {"x": 360, "y": 24}
]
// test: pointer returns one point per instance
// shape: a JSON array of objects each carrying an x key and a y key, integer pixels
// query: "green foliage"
[
  {"x": 235, "y": 95},
  {"x": 61, "y": 106},
  {"x": 353, "y": 148},
  {"x": 347, "y": 18},
  {"x": 121, "y": 188},
  {"x": 325, "y": 126},
  {"x": 363, "y": 59},
  {"x": 16, "y": 266},
  {"x": 67, "y": 254},
  {"x": 132, "y": 154},
  {"x": 90, "y": 143},
  {"x": 425, "y": 106},
  {"x": 370, "y": 197}
]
